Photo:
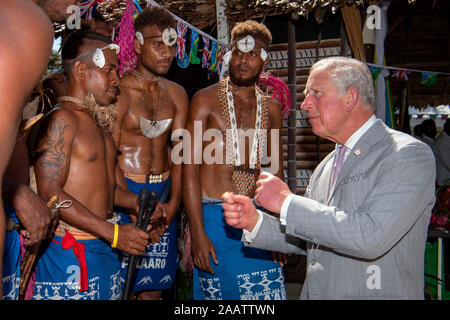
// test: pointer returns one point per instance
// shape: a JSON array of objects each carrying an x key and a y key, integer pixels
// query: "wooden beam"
[
  {"x": 292, "y": 172},
  {"x": 222, "y": 22}
]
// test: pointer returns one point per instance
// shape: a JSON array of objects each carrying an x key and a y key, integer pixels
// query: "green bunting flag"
[
  {"x": 193, "y": 57},
  {"x": 214, "y": 53},
  {"x": 375, "y": 72},
  {"x": 429, "y": 78}
]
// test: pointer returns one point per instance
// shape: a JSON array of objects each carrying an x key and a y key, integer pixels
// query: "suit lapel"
[
  {"x": 319, "y": 186},
  {"x": 361, "y": 149}
]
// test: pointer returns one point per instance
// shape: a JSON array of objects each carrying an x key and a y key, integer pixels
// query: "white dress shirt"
[{"x": 351, "y": 142}]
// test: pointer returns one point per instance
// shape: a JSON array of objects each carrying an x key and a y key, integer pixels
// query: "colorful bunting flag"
[
  {"x": 211, "y": 59},
  {"x": 429, "y": 78},
  {"x": 193, "y": 58},
  {"x": 206, "y": 53},
  {"x": 375, "y": 72},
  {"x": 181, "y": 55},
  {"x": 214, "y": 54},
  {"x": 138, "y": 7},
  {"x": 220, "y": 59},
  {"x": 87, "y": 8},
  {"x": 401, "y": 74}
]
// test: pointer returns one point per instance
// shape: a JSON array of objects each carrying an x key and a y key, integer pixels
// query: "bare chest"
[
  {"x": 150, "y": 106},
  {"x": 94, "y": 146}
]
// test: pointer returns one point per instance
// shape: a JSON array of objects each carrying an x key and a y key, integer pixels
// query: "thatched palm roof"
[{"x": 202, "y": 13}]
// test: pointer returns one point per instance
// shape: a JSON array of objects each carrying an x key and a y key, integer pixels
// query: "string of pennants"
[
  {"x": 88, "y": 7},
  {"x": 428, "y": 79},
  {"x": 213, "y": 50}
]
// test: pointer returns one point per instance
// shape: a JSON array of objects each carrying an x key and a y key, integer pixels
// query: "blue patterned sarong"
[
  {"x": 243, "y": 273},
  {"x": 156, "y": 268},
  {"x": 11, "y": 260},
  {"x": 58, "y": 272}
]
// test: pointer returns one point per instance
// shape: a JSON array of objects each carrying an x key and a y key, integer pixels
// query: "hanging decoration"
[
  {"x": 181, "y": 55},
  {"x": 125, "y": 39},
  {"x": 212, "y": 52},
  {"x": 429, "y": 78},
  {"x": 87, "y": 8},
  {"x": 214, "y": 56},
  {"x": 206, "y": 53},
  {"x": 278, "y": 88},
  {"x": 138, "y": 7},
  {"x": 220, "y": 61},
  {"x": 375, "y": 71},
  {"x": 193, "y": 57},
  {"x": 401, "y": 74}
]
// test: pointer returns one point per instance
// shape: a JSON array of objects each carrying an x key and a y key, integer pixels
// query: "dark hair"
[
  {"x": 154, "y": 16},
  {"x": 418, "y": 130},
  {"x": 429, "y": 128},
  {"x": 72, "y": 48},
  {"x": 97, "y": 16},
  {"x": 77, "y": 39},
  {"x": 255, "y": 29}
]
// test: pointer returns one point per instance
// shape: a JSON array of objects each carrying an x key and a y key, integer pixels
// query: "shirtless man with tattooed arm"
[{"x": 77, "y": 160}]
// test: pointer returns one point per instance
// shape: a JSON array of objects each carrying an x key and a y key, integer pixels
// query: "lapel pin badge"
[{"x": 357, "y": 152}]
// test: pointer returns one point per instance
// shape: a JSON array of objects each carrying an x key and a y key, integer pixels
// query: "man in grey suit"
[{"x": 364, "y": 217}]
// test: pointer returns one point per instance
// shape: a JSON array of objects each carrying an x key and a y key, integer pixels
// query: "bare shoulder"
[
  {"x": 275, "y": 114},
  {"x": 175, "y": 90},
  {"x": 207, "y": 95},
  {"x": 273, "y": 105},
  {"x": 204, "y": 101},
  {"x": 62, "y": 119}
]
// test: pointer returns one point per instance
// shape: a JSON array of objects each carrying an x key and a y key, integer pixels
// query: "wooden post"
[
  {"x": 401, "y": 114},
  {"x": 292, "y": 120},
  {"x": 222, "y": 22}
]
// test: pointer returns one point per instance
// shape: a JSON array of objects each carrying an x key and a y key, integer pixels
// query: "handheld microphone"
[
  {"x": 151, "y": 205},
  {"x": 143, "y": 200}
]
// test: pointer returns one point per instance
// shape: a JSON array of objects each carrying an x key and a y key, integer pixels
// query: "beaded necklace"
[{"x": 243, "y": 179}]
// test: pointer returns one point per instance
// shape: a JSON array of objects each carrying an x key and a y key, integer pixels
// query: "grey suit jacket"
[{"x": 366, "y": 238}]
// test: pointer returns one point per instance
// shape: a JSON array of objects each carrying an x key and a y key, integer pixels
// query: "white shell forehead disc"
[
  {"x": 99, "y": 58},
  {"x": 246, "y": 44},
  {"x": 169, "y": 36}
]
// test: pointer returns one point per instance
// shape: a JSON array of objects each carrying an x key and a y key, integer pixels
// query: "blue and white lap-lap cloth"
[
  {"x": 156, "y": 268},
  {"x": 242, "y": 273}
]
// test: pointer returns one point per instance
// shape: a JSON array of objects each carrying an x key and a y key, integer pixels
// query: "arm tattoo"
[{"x": 53, "y": 159}]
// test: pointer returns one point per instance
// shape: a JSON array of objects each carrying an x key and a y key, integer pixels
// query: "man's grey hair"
[{"x": 347, "y": 72}]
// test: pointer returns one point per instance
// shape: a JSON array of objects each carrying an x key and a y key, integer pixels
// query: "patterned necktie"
[{"x": 338, "y": 164}]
